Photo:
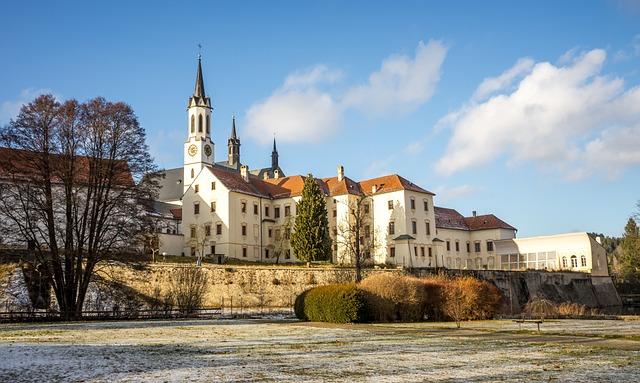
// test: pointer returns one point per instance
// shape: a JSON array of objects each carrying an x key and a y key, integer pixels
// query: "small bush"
[
  {"x": 332, "y": 303},
  {"x": 538, "y": 307},
  {"x": 394, "y": 297},
  {"x": 187, "y": 288},
  {"x": 468, "y": 298}
]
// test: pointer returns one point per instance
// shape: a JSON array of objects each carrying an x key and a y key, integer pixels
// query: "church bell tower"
[{"x": 198, "y": 148}]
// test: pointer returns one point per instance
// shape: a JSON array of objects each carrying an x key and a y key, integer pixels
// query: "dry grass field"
[{"x": 291, "y": 351}]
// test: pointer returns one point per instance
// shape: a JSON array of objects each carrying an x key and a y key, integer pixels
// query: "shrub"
[
  {"x": 187, "y": 287},
  {"x": 332, "y": 303},
  {"x": 393, "y": 297},
  {"x": 540, "y": 307},
  {"x": 468, "y": 298}
]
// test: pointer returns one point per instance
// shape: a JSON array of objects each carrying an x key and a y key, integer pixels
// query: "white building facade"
[{"x": 225, "y": 210}]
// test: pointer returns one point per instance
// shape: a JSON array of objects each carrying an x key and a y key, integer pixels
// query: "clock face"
[
  {"x": 193, "y": 150},
  {"x": 207, "y": 150}
]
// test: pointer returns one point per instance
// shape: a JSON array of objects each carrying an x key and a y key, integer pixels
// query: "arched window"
[
  {"x": 192, "y": 173},
  {"x": 583, "y": 261},
  {"x": 193, "y": 124},
  {"x": 574, "y": 261},
  {"x": 564, "y": 262},
  {"x": 208, "y": 124},
  {"x": 200, "y": 123}
]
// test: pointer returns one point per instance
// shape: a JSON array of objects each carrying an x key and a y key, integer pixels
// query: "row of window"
[
  {"x": 243, "y": 209},
  {"x": 243, "y": 229},
  {"x": 193, "y": 124},
  {"x": 423, "y": 253},
  {"x": 476, "y": 246},
  {"x": 412, "y": 204},
  {"x": 414, "y": 227},
  {"x": 267, "y": 254}
]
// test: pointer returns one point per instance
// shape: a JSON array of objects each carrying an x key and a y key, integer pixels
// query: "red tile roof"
[
  {"x": 23, "y": 165},
  {"x": 390, "y": 183},
  {"x": 177, "y": 213},
  {"x": 346, "y": 186},
  {"x": 451, "y": 219}
]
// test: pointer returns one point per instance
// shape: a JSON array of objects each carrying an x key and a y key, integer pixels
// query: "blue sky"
[{"x": 528, "y": 111}]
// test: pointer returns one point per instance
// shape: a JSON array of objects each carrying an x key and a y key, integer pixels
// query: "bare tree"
[
  {"x": 71, "y": 178},
  {"x": 200, "y": 237},
  {"x": 356, "y": 234},
  {"x": 281, "y": 243},
  {"x": 187, "y": 288}
]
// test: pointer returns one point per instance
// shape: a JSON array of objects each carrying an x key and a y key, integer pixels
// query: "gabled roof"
[
  {"x": 290, "y": 186},
  {"x": 451, "y": 219},
  {"x": 390, "y": 183},
  {"x": 346, "y": 186},
  {"x": 233, "y": 181}
]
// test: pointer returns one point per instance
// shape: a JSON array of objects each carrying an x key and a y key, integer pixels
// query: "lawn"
[{"x": 291, "y": 351}]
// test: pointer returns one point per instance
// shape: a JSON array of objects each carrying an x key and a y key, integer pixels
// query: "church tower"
[
  {"x": 274, "y": 156},
  {"x": 234, "y": 146},
  {"x": 198, "y": 148}
]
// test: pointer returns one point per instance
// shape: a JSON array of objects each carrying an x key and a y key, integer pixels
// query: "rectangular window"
[
  {"x": 196, "y": 188},
  {"x": 255, "y": 208},
  {"x": 366, "y": 209},
  {"x": 276, "y": 212},
  {"x": 415, "y": 250},
  {"x": 448, "y": 245},
  {"x": 244, "y": 229},
  {"x": 213, "y": 206},
  {"x": 287, "y": 211},
  {"x": 422, "y": 251},
  {"x": 335, "y": 232},
  {"x": 430, "y": 253},
  {"x": 266, "y": 253},
  {"x": 270, "y": 232},
  {"x": 243, "y": 207},
  {"x": 390, "y": 204},
  {"x": 392, "y": 252},
  {"x": 266, "y": 211},
  {"x": 287, "y": 233},
  {"x": 457, "y": 246},
  {"x": 426, "y": 205},
  {"x": 213, "y": 185},
  {"x": 193, "y": 232},
  {"x": 193, "y": 251},
  {"x": 287, "y": 254},
  {"x": 392, "y": 228},
  {"x": 277, "y": 234},
  {"x": 477, "y": 247},
  {"x": 414, "y": 227},
  {"x": 428, "y": 228},
  {"x": 213, "y": 249},
  {"x": 468, "y": 247},
  {"x": 489, "y": 245},
  {"x": 335, "y": 213},
  {"x": 219, "y": 229},
  {"x": 413, "y": 204},
  {"x": 207, "y": 230},
  {"x": 367, "y": 231},
  {"x": 196, "y": 208},
  {"x": 244, "y": 252}
]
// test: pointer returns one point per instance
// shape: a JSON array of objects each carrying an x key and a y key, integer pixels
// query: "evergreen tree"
[
  {"x": 310, "y": 238},
  {"x": 630, "y": 258}
]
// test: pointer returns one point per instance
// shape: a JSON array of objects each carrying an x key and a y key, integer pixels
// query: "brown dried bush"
[{"x": 393, "y": 297}]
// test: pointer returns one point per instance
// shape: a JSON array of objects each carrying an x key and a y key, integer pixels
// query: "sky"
[{"x": 529, "y": 111}]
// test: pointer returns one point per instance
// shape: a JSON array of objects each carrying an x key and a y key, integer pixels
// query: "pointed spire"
[
  {"x": 233, "y": 129},
  {"x": 199, "y": 89},
  {"x": 274, "y": 145}
]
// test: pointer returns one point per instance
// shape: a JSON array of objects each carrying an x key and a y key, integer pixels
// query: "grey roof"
[
  {"x": 260, "y": 172},
  {"x": 199, "y": 89},
  {"x": 164, "y": 208},
  {"x": 171, "y": 187}
]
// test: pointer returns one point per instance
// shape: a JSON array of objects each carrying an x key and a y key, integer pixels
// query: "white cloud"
[
  {"x": 495, "y": 84},
  {"x": 446, "y": 193},
  {"x": 550, "y": 118},
  {"x": 402, "y": 84},
  {"x": 298, "y": 110},
  {"x": 10, "y": 109},
  {"x": 306, "y": 108}
]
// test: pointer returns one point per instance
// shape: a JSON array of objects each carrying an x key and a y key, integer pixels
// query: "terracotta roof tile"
[
  {"x": 346, "y": 186},
  {"x": 488, "y": 221},
  {"x": 22, "y": 164},
  {"x": 177, "y": 213},
  {"x": 390, "y": 183},
  {"x": 451, "y": 219}
]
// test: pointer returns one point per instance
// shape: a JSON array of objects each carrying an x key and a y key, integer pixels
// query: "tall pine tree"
[
  {"x": 630, "y": 258},
  {"x": 310, "y": 238}
]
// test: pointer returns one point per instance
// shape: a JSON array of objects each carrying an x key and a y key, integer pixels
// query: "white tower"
[{"x": 198, "y": 148}]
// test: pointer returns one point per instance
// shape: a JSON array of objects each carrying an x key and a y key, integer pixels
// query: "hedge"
[{"x": 332, "y": 303}]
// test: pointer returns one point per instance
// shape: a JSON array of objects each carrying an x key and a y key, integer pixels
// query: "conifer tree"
[
  {"x": 630, "y": 258},
  {"x": 310, "y": 238}
]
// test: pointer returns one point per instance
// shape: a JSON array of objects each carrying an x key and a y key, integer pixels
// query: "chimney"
[
  {"x": 374, "y": 188},
  {"x": 244, "y": 172},
  {"x": 340, "y": 173},
  {"x": 265, "y": 175},
  {"x": 475, "y": 213},
  {"x": 276, "y": 174}
]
